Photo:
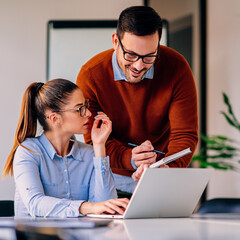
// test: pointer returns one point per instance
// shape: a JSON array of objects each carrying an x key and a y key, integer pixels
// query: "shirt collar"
[
  {"x": 119, "y": 75},
  {"x": 47, "y": 146},
  {"x": 74, "y": 153}
]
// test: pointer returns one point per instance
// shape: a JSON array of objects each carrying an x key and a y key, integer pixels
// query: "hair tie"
[{"x": 38, "y": 86}]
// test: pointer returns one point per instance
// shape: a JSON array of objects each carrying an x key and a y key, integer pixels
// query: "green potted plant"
[{"x": 221, "y": 152}]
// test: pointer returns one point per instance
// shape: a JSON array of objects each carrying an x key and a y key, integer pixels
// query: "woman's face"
[{"x": 72, "y": 122}]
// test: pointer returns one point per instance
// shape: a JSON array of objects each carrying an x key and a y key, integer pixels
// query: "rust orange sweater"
[{"x": 162, "y": 110}]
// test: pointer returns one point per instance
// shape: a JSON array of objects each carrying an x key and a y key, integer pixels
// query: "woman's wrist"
[
  {"x": 99, "y": 150},
  {"x": 86, "y": 208}
]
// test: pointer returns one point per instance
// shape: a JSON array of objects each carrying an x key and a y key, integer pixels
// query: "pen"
[{"x": 135, "y": 145}]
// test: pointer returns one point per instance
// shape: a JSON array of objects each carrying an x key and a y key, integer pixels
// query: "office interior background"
[{"x": 23, "y": 46}]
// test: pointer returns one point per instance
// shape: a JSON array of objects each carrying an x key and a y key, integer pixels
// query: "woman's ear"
[{"x": 53, "y": 118}]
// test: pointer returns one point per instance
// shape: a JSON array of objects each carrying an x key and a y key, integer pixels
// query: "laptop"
[{"x": 165, "y": 192}]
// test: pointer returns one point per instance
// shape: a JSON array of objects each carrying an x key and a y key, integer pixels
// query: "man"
[{"x": 148, "y": 92}]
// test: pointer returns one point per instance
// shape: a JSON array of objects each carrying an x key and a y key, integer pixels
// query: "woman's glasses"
[{"x": 82, "y": 110}]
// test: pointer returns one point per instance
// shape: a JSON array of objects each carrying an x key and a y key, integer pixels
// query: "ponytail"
[
  {"x": 27, "y": 124},
  {"x": 38, "y": 97}
]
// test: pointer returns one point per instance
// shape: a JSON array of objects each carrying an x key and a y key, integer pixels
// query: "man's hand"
[
  {"x": 143, "y": 154},
  {"x": 138, "y": 173}
]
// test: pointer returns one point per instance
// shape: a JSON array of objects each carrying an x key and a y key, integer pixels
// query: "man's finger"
[
  {"x": 142, "y": 148},
  {"x": 143, "y": 156}
]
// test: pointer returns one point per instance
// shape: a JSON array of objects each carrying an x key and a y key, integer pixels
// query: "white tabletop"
[
  {"x": 160, "y": 228},
  {"x": 169, "y": 228}
]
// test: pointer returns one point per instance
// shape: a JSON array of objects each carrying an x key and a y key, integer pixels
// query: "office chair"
[
  {"x": 6, "y": 208},
  {"x": 220, "y": 205}
]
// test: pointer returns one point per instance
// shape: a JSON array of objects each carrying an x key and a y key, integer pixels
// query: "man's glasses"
[
  {"x": 82, "y": 110},
  {"x": 133, "y": 57}
]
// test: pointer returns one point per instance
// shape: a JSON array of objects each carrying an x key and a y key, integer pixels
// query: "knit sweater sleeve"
[{"x": 183, "y": 116}]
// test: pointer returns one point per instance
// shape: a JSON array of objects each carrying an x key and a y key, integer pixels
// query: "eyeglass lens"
[
  {"x": 82, "y": 109},
  {"x": 131, "y": 57}
]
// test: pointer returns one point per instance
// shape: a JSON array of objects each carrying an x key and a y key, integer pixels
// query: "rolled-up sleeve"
[
  {"x": 30, "y": 188},
  {"x": 102, "y": 186}
]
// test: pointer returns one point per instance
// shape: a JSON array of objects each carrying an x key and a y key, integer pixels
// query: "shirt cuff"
[
  {"x": 101, "y": 163},
  {"x": 74, "y": 209},
  {"x": 133, "y": 164}
]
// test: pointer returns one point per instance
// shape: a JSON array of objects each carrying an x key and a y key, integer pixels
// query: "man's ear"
[{"x": 115, "y": 41}]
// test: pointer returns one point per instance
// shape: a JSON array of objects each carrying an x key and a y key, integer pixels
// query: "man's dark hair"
[{"x": 140, "y": 21}]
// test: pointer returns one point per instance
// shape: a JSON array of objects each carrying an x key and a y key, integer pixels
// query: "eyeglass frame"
[
  {"x": 138, "y": 56},
  {"x": 86, "y": 106}
]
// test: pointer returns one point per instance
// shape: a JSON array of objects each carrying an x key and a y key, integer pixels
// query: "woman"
[{"x": 56, "y": 175}]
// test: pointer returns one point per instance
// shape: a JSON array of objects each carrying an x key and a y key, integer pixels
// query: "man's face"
[{"x": 140, "y": 45}]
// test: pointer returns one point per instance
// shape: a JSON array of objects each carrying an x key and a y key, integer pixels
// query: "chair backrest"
[
  {"x": 220, "y": 205},
  {"x": 6, "y": 208}
]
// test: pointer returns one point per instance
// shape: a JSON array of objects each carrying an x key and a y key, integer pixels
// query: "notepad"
[{"x": 171, "y": 158}]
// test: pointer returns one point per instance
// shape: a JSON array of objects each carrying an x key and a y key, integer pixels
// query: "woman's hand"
[
  {"x": 111, "y": 206},
  {"x": 100, "y": 134},
  {"x": 101, "y": 129}
]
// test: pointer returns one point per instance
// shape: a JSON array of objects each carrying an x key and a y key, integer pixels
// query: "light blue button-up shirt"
[
  {"x": 50, "y": 185},
  {"x": 119, "y": 75},
  {"x": 122, "y": 182}
]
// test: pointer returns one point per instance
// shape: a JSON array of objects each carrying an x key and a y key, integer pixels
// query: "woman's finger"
[
  {"x": 116, "y": 205},
  {"x": 96, "y": 122}
]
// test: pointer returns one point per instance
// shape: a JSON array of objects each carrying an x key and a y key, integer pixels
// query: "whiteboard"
[{"x": 71, "y": 44}]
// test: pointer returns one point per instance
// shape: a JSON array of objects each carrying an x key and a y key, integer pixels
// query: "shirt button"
[
  {"x": 65, "y": 170},
  {"x": 66, "y": 181}
]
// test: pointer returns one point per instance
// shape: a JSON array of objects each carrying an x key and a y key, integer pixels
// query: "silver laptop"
[{"x": 165, "y": 192}]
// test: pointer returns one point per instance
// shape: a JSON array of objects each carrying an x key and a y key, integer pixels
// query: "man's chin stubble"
[{"x": 133, "y": 80}]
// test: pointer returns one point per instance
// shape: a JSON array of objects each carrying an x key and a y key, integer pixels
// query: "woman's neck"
[{"x": 61, "y": 143}]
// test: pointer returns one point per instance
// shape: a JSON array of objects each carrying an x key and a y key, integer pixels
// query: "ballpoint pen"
[{"x": 135, "y": 145}]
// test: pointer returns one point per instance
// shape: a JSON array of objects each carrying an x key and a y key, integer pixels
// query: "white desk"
[
  {"x": 138, "y": 229},
  {"x": 180, "y": 228}
]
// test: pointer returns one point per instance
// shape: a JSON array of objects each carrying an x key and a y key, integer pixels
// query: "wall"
[
  {"x": 23, "y": 60},
  {"x": 23, "y": 54},
  {"x": 223, "y": 51},
  {"x": 174, "y": 10}
]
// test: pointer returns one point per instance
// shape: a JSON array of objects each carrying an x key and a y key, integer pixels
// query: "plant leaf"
[
  {"x": 230, "y": 121},
  {"x": 227, "y": 102}
]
